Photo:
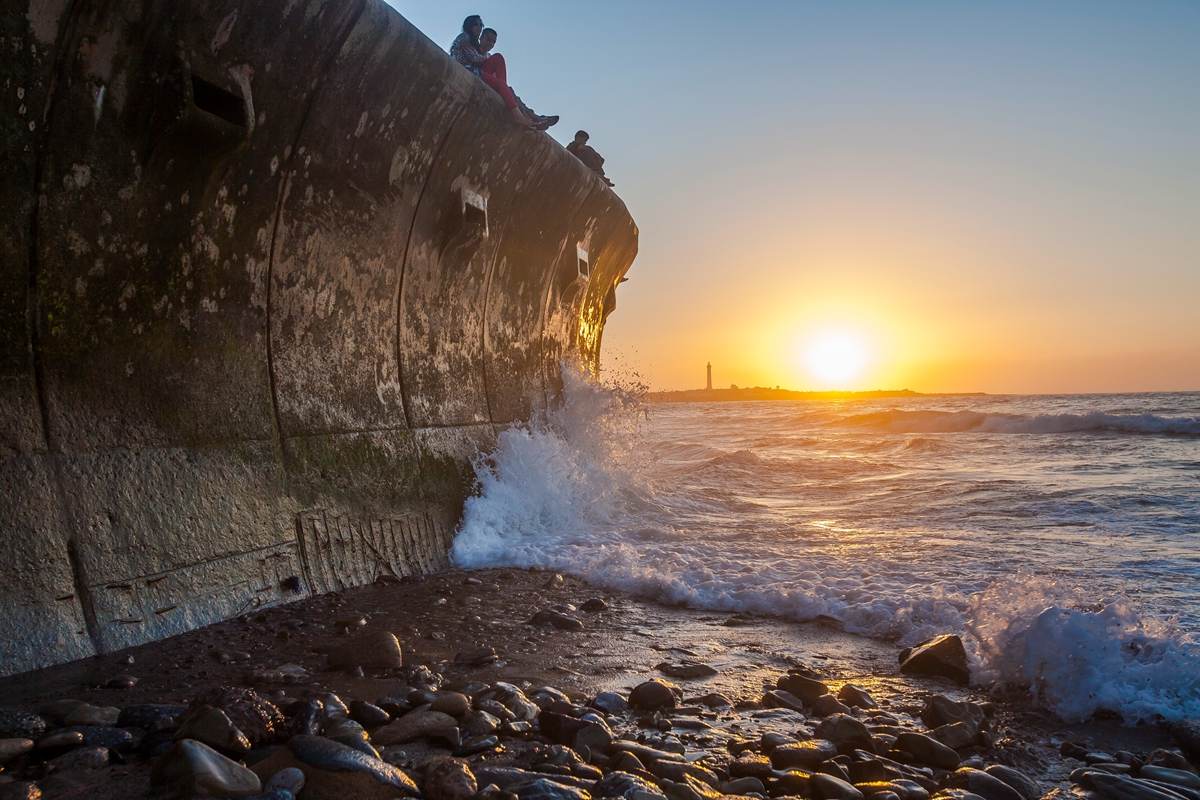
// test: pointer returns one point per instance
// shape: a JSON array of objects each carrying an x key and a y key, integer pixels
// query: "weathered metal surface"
[{"x": 272, "y": 274}]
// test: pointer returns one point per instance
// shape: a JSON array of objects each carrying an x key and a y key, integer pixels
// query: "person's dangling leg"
[{"x": 495, "y": 75}]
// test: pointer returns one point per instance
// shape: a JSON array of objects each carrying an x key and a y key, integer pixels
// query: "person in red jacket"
[{"x": 495, "y": 74}]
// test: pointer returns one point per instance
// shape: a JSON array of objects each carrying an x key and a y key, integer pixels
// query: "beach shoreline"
[{"x": 441, "y": 617}]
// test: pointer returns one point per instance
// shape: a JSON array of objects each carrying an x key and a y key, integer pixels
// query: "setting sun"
[{"x": 835, "y": 357}]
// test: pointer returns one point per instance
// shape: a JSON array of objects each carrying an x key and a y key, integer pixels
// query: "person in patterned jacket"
[{"x": 468, "y": 50}]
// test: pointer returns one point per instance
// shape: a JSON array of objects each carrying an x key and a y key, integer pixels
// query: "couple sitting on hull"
[{"x": 471, "y": 48}]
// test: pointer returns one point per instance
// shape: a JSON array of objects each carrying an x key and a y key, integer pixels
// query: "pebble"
[
  {"x": 805, "y": 688},
  {"x": 543, "y": 789},
  {"x": 807, "y": 754},
  {"x": 57, "y": 710},
  {"x": 480, "y": 657},
  {"x": 594, "y": 605},
  {"x": 554, "y": 619},
  {"x": 368, "y": 715},
  {"x": 940, "y": 710},
  {"x": 555, "y": 582},
  {"x": 413, "y": 726},
  {"x": 1019, "y": 781},
  {"x": 16, "y": 747},
  {"x": 332, "y": 769},
  {"x": 744, "y": 786},
  {"x": 88, "y": 714},
  {"x": 956, "y": 735},
  {"x": 943, "y": 656},
  {"x": 60, "y": 739},
  {"x": 453, "y": 703},
  {"x": 856, "y": 697},
  {"x": 478, "y": 744},
  {"x": 16, "y": 724},
  {"x": 83, "y": 758},
  {"x": 150, "y": 716},
  {"x": 288, "y": 779},
  {"x": 610, "y": 703},
  {"x": 686, "y": 670},
  {"x": 827, "y": 787},
  {"x": 927, "y": 750},
  {"x": 450, "y": 779},
  {"x": 478, "y": 723},
  {"x": 623, "y": 784},
  {"x": 1178, "y": 777},
  {"x": 848, "y": 734},
  {"x": 112, "y": 738},
  {"x": 191, "y": 769},
  {"x": 827, "y": 705},
  {"x": 981, "y": 783},
  {"x": 214, "y": 728},
  {"x": 652, "y": 696},
  {"x": 372, "y": 648},
  {"x": 120, "y": 682}
]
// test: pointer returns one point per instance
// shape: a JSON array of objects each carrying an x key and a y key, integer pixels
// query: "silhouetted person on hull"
[
  {"x": 590, "y": 158},
  {"x": 468, "y": 50}
]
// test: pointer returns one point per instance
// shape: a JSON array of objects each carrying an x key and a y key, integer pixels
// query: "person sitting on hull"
[
  {"x": 467, "y": 50},
  {"x": 590, "y": 158}
]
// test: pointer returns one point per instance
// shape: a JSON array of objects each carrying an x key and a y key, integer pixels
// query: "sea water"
[{"x": 1058, "y": 535}]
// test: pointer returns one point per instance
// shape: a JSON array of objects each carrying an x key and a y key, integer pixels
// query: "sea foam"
[
  {"x": 898, "y": 421},
  {"x": 573, "y": 492}
]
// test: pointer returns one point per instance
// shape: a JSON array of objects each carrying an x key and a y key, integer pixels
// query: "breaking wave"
[
  {"x": 977, "y": 422},
  {"x": 576, "y": 491}
]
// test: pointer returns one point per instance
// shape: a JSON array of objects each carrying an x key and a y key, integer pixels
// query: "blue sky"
[{"x": 991, "y": 196}]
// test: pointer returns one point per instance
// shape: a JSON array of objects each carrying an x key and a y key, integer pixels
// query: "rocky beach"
[{"x": 528, "y": 685}]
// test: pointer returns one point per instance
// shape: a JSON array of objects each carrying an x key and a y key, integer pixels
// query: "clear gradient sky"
[{"x": 988, "y": 196}]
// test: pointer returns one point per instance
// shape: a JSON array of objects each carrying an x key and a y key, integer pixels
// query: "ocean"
[{"x": 1058, "y": 535}]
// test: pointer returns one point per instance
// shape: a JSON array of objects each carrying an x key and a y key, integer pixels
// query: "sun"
[{"x": 835, "y": 357}]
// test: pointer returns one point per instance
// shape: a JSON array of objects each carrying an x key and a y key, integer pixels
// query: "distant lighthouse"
[{"x": 709, "y": 387}]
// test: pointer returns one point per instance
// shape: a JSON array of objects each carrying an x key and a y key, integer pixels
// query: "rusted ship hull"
[{"x": 273, "y": 272}]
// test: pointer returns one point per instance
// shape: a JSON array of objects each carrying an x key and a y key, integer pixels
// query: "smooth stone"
[
  {"x": 678, "y": 771},
  {"x": 957, "y": 794},
  {"x": 943, "y": 656},
  {"x": 150, "y": 716},
  {"x": 981, "y": 783},
  {"x": 955, "y": 735},
  {"x": 514, "y": 700},
  {"x": 394, "y": 706},
  {"x": 554, "y": 582},
  {"x": 368, "y": 715},
  {"x": 358, "y": 740},
  {"x": 847, "y": 733},
  {"x": 58, "y": 739},
  {"x": 309, "y": 718},
  {"x": 827, "y": 705},
  {"x": 856, "y": 697},
  {"x": 449, "y": 737},
  {"x": 477, "y": 744},
  {"x": 781, "y": 698},
  {"x": 623, "y": 784},
  {"x": 543, "y": 789},
  {"x": 750, "y": 765},
  {"x": 610, "y": 703},
  {"x": 714, "y": 700},
  {"x": 744, "y": 786},
  {"x": 805, "y": 688},
  {"x": 16, "y": 747},
  {"x": 643, "y": 752},
  {"x": 288, "y": 779},
  {"x": 413, "y": 726},
  {"x": 453, "y": 703},
  {"x": 807, "y": 754},
  {"x": 594, "y": 605},
  {"x": 927, "y": 750},
  {"x": 554, "y": 619},
  {"x": 688, "y": 789},
  {"x": 940, "y": 710},
  {"x": 214, "y": 728},
  {"x": 371, "y": 648},
  {"x": 686, "y": 670},
  {"x": 112, "y": 738},
  {"x": 1122, "y": 787},
  {"x": 450, "y": 779},
  {"x": 653, "y": 696},
  {"x": 1178, "y": 777},
  {"x": 193, "y": 769},
  {"x": 88, "y": 714},
  {"x": 83, "y": 758},
  {"x": 1022, "y": 783},
  {"x": 478, "y": 723},
  {"x": 477, "y": 658},
  {"x": 574, "y": 732},
  {"x": 827, "y": 787},
  {"x": 333, "y": 771},
  {"x": 508, "y": 777},
  {"x": 16, "y": 724}
]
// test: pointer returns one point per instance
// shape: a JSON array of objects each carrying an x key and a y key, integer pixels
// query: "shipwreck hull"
[{"x": 272, "y": 273}]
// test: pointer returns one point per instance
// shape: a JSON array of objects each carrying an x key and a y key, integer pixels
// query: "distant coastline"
[{"x": 735, "y": 394}]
